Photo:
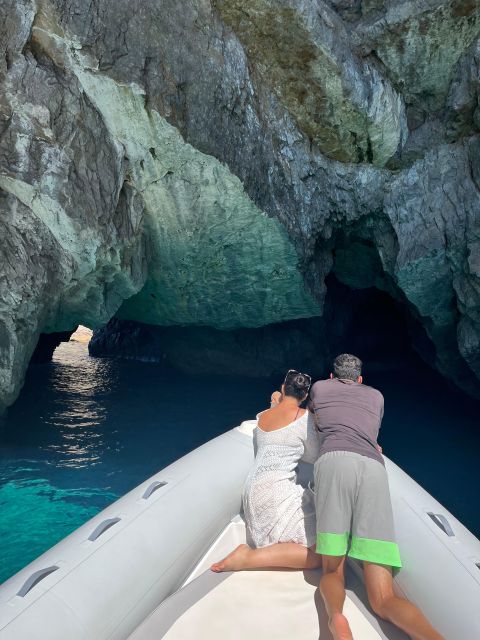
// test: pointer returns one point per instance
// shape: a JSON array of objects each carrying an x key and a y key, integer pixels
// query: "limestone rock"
[
  {"x": 67, "y": 247},
  {"x": 47, "y": 344},
  {"x": 308, "y": 344},
  {"x": 349, "y": 10},
  {"x": 435, "y": 215},
  {"x": 258, "y": 353},
  {"x": 210, "y": 163},
  {"x": 341, "y": 102},
  {"x": 354, "y": 10},
  {"x": 101, "y": 195},
  {"x": 419, "y": 42},
  {"x": 462, "y": 112}
]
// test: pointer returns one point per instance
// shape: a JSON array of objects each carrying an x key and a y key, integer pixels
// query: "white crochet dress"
[{"x": 276, "y": 508}]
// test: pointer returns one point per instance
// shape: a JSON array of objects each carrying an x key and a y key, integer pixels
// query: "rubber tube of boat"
[
  {"x": 107, "y": 576},
  {"x": 441, "y": 559}
]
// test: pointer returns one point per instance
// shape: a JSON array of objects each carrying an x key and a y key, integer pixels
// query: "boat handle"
[
  {"x": 441, "y": 522},
  {"x": 34, "y": 579},
  {"x": 102, "y": 527},
  {"x": 152, "y": 488}
]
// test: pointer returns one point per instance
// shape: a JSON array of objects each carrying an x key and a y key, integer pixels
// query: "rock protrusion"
[{"x": 302, "y": 51}]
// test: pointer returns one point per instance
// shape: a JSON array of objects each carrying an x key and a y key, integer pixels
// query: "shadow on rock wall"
[{"x": 366, "y": 322}]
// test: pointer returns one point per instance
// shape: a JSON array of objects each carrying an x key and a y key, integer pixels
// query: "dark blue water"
[{"x": 85, "y": 431}]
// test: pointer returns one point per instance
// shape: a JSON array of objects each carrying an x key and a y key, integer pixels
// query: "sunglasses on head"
[{"x": 294, "y": 371}]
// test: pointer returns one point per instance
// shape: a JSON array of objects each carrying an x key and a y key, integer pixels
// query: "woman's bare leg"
[
  {"x": 332, "y": 588},
  {"x": 284, "y": 554},
  {"x": 401, "y": 612}
]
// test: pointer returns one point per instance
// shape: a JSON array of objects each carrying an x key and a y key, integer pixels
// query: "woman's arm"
[{"x": 275, "y": 399}]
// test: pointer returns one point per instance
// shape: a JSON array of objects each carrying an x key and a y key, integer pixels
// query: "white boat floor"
[{"x": 263, "y": 605}]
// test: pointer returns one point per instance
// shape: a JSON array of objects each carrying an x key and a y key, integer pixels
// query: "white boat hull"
[{"x": 106, "y": 578}]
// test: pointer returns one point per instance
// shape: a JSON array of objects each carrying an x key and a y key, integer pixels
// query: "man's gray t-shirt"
[{"x": 348, "y": 415}]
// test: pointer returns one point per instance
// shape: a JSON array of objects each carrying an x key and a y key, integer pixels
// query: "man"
[{"x": 352, "y": 499}]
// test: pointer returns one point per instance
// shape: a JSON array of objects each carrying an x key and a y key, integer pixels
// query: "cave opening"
[
  {"x": 371, "y": 324},
  {"x": 364, "y": 311},
  {"x": 48, "y": 343}
]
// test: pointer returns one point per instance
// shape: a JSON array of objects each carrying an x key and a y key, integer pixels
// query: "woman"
[{"x": 279, "y": 513}]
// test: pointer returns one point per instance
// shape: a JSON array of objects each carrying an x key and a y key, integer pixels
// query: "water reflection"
[
  {"x": 85, "y": 431},
  {"x": 78, "y": 383}
]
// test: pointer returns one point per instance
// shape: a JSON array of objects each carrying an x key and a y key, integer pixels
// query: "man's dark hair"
[
  {"x": 297, "y": 384},
  {"x": 347, "y": 367}
]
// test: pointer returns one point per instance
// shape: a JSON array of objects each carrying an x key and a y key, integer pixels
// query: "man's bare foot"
[
  {"x": 235, "y": 561},
  {"x": 339, "y": 627}
]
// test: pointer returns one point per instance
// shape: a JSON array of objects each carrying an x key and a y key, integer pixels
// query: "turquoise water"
[
  {"x": 85, "y": 431},
  {"x": 47, "y": 512}
]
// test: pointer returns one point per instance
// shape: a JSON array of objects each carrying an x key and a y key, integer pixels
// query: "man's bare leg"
[
  {"x": 332, "y": 588},
  {"x": 284, "y": 554},
  {"x": 401, "y": 612}
]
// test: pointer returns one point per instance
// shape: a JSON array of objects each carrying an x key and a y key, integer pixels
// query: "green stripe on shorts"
[
  {"x": 378, "y": 551},
  {"x": 332, "y": 544}
]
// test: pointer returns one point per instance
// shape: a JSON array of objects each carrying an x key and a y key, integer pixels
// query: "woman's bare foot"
[
  {"x": 339, "y": 627},
  {"x": 235, "y": 561}
]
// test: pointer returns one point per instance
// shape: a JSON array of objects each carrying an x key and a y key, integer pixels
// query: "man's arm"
[
  {"x": 310, "y": 404},
  {"x": 381, "y": 418}
]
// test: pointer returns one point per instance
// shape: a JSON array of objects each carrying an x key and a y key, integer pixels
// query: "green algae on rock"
[{"x": 339, "y": 100}]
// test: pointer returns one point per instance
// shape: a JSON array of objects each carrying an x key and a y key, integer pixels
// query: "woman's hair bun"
[
  {"x": 297, "y": 384},
  {"x": 301, "y": 380}
]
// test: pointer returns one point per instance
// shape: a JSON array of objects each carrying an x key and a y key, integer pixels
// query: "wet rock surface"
[{"x": 210, "y": 163}]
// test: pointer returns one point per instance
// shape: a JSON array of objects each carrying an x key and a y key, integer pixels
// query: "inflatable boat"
[{"x": 140, "y": 568}]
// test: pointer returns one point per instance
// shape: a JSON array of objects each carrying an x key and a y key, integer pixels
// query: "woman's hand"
[{"x": 275, "y": 399}]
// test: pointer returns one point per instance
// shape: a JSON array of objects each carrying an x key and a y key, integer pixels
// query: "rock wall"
[
  {"x": 360, "y": 321},
  {"x": 211, "y": 162}
]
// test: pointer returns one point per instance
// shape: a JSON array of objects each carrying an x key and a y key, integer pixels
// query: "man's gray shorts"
[{"x": 354, "y": 511}]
